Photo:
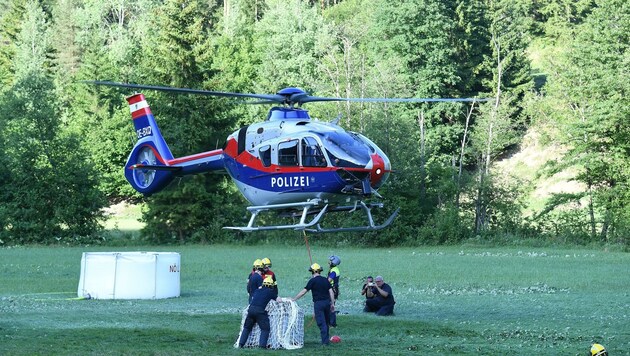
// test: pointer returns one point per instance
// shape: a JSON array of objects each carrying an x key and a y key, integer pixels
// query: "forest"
[{"x": 546, "y": 158}]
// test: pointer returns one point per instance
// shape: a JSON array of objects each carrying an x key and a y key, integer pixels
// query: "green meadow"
[{"x": 450, "y": 300}]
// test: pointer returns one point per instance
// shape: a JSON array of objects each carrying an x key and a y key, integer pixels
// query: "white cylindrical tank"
[{"x": 129, "y": 275}]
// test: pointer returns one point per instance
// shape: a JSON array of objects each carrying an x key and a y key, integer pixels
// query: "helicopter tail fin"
[{"x": 147, "y": 168}]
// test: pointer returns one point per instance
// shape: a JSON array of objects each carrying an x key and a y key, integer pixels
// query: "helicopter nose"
[{"x": 380, "y": 169}]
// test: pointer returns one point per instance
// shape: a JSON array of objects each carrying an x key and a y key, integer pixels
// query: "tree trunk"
[
  {"x": 591, "y": 212},
  {"x": 422, "y": 159},
  {"x": 481, "y": 205},
  {"x": 461, "y": 156}
]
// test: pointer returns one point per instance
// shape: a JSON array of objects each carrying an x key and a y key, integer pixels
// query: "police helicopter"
[{"x": 288, "y": 163}]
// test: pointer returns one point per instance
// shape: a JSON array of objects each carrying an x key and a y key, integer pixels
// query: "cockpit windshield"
[{"x": 346, "y": 149}]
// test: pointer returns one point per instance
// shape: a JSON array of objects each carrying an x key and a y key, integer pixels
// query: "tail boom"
[{"x": 151, "y": 165}]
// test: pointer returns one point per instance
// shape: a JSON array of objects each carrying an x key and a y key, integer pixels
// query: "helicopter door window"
[
  {"x": 265, "y": 155},
  {"x": 312, "y": 155},
  {"x": 288, "y": 153}
]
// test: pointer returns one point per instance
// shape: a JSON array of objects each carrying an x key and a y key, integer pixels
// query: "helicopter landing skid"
[
  {"x": 368, "y": 212},
  {"x": 302, "y": 225}
]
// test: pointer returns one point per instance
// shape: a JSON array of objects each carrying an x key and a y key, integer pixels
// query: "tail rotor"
[{"x": 144, "y": 177}]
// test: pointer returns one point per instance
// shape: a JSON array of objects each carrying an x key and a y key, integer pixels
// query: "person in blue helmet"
[
  {"x": 333, "y": 277},
  {"x": 323, "y": 300},
  {"x": 256, "y": 313}
]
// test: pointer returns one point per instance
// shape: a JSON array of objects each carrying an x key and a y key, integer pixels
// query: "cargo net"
[{"x": 286, "y": 320}]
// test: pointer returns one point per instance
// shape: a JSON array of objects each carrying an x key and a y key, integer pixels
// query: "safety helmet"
[
  {"x": 268, "y": 282},
  {"x": 258, "y": 264},
  {"x": 335, "y": 260},
  {"x": 315, "y": 268},
  {"x": 266, "y": 262},
  {"x": 598, "y": 350}
]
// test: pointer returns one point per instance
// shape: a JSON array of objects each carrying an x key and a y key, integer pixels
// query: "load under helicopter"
[{"x": 289, "y": 163}]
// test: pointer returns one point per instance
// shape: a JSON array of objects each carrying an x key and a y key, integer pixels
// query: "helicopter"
[{"x": 289, "y": 163}]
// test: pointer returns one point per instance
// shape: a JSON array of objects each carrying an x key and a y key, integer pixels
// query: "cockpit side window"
[
  {"x": 265, "y": 155},
  {"x": 312, "y": 155},
  {"x": 288, "y": 153}
]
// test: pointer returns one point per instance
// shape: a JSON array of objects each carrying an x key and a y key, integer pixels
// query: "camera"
[{"x": 370, "y": 284}]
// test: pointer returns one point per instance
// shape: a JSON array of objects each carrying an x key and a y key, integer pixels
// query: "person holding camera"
[
  {"x": 369, "y": 291},
  {"x": 383, "y": 301}
]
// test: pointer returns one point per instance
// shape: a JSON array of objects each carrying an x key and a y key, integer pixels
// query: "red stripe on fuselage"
[
  {"x": 194, "y": 157},
  {"x": 251, "y": 161},
  {"x": 231, "y": 148}
]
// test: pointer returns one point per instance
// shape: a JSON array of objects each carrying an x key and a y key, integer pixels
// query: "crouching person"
[
  {"x": 256, "y": 313},
  {"x": 383, "y": 301}
]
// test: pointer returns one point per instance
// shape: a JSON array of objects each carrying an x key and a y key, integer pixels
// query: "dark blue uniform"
[
  {"x": 380, "y": 305},
  {"x": 319, "y": 287},
  {"x": 255, "y": 281},
  {"x": 256, "y": 314},
  {"x": 334, "y": 275},
  {"x": 364, "y": 291}
]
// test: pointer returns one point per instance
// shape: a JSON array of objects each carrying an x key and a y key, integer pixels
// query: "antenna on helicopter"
[{"x": 336, "y": 120}]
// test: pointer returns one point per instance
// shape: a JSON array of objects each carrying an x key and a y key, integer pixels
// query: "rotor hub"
[{"x": 292, "y": 95}]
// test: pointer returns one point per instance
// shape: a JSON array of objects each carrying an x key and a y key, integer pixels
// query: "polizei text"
[{"x": 285, "y": 182}]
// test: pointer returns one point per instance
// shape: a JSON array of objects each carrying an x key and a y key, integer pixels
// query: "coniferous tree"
[
  {"x": 108, "y": 36},
  {"x": 10, "y": 20},
  {"x": 180, "y": 54},
  {"x": 586, "y": 98},
  {"x": 290, "y": 42},
  {"x": 352, "y": 48},
  {"x": 50, "y": 192}
]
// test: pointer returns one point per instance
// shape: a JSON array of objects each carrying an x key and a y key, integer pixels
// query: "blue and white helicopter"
[{"x": 287, "y": 163}]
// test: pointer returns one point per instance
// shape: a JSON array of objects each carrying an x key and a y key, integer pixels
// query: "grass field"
[{"x": 450, "y": 300}]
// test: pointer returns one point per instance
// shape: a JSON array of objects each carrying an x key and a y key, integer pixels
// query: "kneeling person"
[
  {"x": 256, "y": 313},
  {"x": 383, "y": 301}
]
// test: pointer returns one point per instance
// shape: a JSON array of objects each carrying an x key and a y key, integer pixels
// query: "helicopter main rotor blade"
[
  {"x": 310, "y": 99},
  {"x": 266, "y": 98},
  {"x": 286, "y": 96}
]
